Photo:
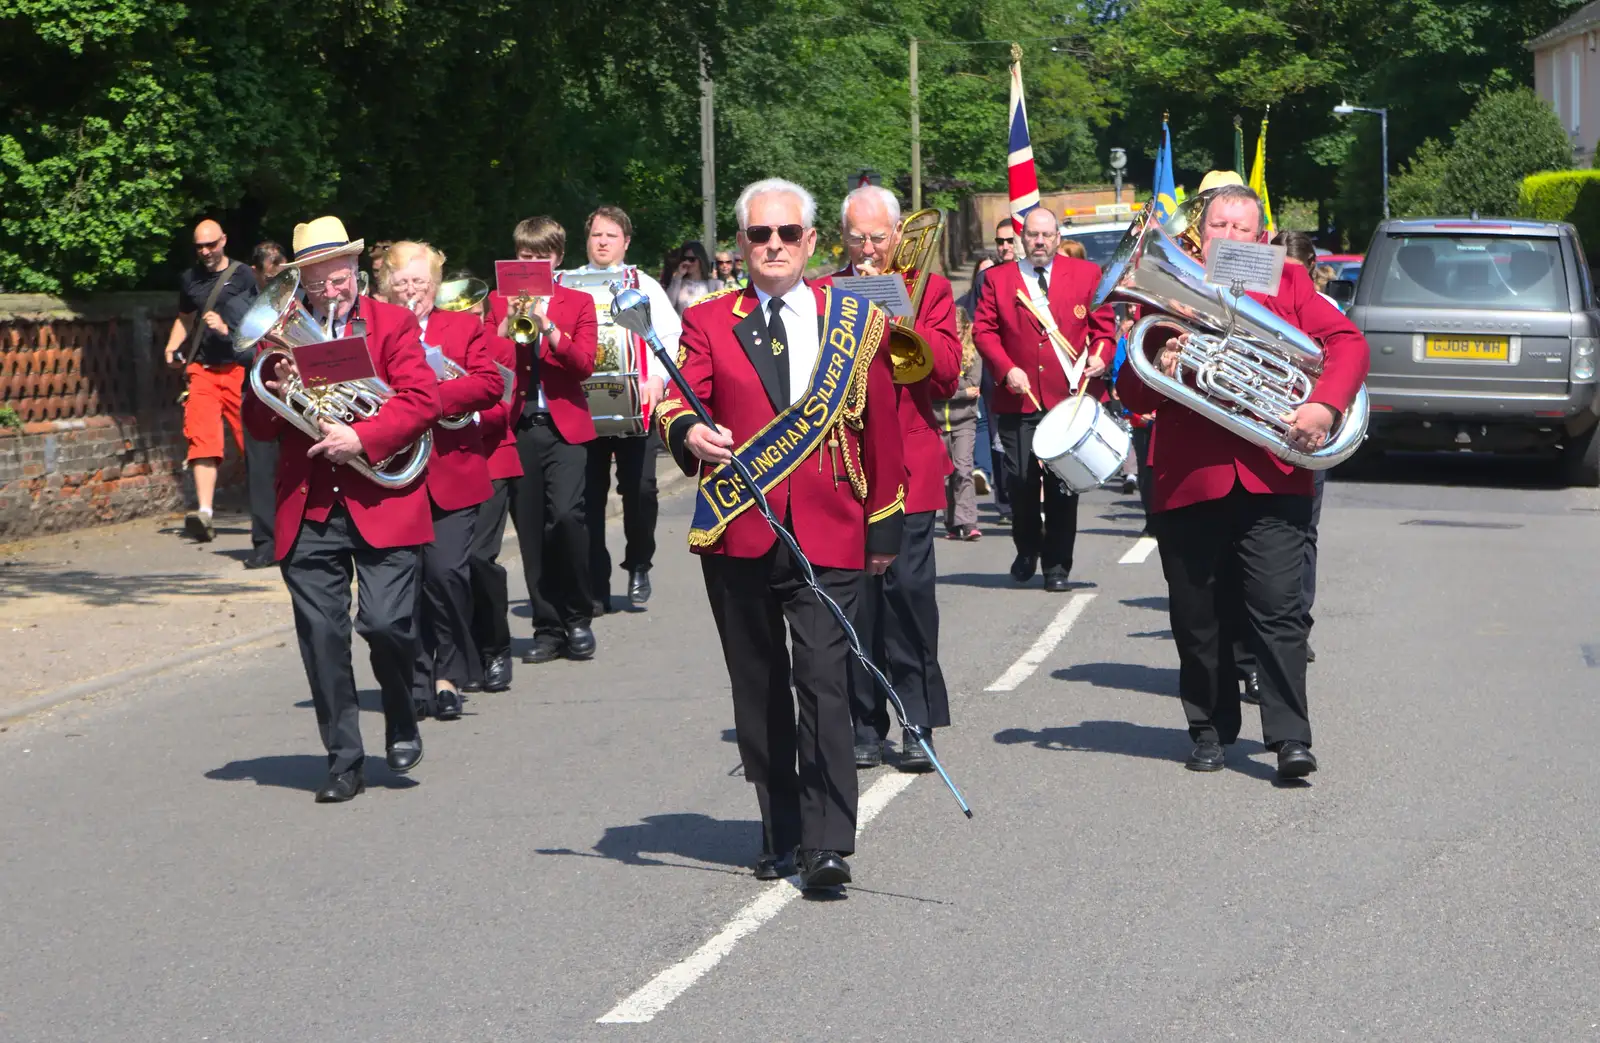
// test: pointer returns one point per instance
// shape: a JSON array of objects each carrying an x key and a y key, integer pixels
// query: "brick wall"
[{"x": 101, "y": 435}]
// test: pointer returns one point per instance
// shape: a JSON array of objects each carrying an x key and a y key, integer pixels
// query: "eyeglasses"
[
  {"x": 759, "y": 234},
  {"x": 861, "y": 240},
  {"x": 212, "y": 245}
]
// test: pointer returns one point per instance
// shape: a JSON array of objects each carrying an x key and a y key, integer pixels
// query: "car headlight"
[{"x": 1583, "y": 358}]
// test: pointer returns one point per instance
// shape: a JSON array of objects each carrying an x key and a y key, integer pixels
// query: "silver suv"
[{"x": 1483, "y": 337}]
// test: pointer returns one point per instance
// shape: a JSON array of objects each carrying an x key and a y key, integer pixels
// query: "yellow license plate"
[{"x": 1470, "y": 349}]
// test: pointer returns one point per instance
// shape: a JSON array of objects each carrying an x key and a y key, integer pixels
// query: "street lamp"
[
  {"x": 1344, "y": 109},
  {"x": 1119, "y": 159}
]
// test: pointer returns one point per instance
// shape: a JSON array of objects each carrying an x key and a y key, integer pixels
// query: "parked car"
[
  {"x": 1345, "y": 266},
  {"x": 1483, "y": 336},
  {"x": 1099, "y": 240}
]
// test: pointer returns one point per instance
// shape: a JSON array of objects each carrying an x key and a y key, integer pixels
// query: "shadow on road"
[
  {"x": 1158, "y": 604},
  {"x": 1131, "y": 534},
  {"x": 302, "y": 771},
  {"x": 1127, "y": 739},
  {"x": 996, "y": 580},
  {"x": 685, "y": 835},
  {"x": 1453, "y": 469},
  {"x": 1128, "y": 677},
  {"x": 24, "y": 579}
]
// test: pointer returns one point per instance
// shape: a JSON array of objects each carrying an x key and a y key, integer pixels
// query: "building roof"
[{"x": 1587, "y": 17}]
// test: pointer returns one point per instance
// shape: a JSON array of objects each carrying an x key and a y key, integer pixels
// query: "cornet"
[
  {"x": 524, "y": 326},
  {"x": 277, "y": 324}
]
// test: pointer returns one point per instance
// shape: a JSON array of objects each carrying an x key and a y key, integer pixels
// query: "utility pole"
[
  {"x": 916, "y": 135},
  {"x": 708, "y": 158}
]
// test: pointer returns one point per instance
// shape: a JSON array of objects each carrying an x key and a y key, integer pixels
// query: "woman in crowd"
[
  {"x": 689, "y": 276},
  {"x": 958, "y": 423}
]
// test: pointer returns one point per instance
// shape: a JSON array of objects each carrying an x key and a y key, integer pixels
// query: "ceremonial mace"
[{"x": 631, "y": 309}]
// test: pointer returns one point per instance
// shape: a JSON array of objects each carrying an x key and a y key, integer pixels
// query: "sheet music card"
[
  {"x": 1255, "y": 266},
  {"x": 886, "y": 291},
  {"x": 334, "y": 362},
  {"x": 534, "y": 278}
]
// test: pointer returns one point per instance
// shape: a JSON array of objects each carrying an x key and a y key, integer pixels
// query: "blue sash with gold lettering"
[{"x": 851, "y": 329}]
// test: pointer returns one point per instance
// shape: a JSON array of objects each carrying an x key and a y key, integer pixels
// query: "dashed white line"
[
  {"x": 1140, "y": 552},
  {"x": 660, "y": 991},
  {"x": 1024, "y": 667}
]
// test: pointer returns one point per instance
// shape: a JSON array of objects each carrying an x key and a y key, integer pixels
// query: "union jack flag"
[{"x": 1021, "y": 177}]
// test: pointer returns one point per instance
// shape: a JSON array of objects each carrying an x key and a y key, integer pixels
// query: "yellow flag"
[{"x": 1258, "y": 177}]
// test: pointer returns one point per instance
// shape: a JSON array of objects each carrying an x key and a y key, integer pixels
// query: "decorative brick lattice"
[{"x": 57, "y": 369}]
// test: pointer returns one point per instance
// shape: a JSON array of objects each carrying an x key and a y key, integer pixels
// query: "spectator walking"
[
  {"x": 689, "y": 276},
  {"x": 212, "y": 296},
  {"x": 261, "y": 456},
  {"x": 958, "y": 423},
  {"x": 728, "y": 277}
]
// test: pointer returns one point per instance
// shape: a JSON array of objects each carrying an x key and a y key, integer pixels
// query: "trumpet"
[
  {"x": 525, "y": 328},
  {"x": 919, "y": 242},
  {"x": 277, "y": 324}
]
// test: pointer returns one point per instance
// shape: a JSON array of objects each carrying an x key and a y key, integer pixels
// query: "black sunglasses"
[
  {"x": 759, "y": 234},
  {"x": 207, "y": 246},
  {"x": 1004, "y": 242}
]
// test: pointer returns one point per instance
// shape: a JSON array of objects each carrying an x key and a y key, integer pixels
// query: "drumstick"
[{"x": 1031, "y": 398}]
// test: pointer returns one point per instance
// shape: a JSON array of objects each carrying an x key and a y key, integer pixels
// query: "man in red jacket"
[
  {"x": 1223, "y": 507},
  {"x": 333, "y": 521},
  {"x": 800, "y": 386},
  {"x": 552, "y": 422},
  {"x": 1029, "y": 379},
  {"x": 898, "y": 619}
]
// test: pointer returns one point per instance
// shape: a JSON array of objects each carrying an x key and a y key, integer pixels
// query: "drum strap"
[{"x": 1041, "y": 311}]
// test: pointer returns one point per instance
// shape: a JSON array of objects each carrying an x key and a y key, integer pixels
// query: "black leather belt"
[{"x": 530, "y": 419}]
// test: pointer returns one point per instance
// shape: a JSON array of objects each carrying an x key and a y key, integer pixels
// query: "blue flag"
[{"x": 1164, "y": 186}]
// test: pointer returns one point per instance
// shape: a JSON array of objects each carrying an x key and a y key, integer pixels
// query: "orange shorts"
[{"x": 213, "y": 400}]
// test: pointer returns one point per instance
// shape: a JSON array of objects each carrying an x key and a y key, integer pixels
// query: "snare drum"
[
  {"x": 613, "y": 390},
  {"x": 1082, "y": 443}
]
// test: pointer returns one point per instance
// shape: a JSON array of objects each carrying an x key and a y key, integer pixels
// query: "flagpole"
[
  {"x": 916, "y": 135},
  {"x": 1238, "y": 143}
]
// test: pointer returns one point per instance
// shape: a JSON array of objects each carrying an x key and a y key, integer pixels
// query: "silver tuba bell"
[
  {"x": 277, "y": 324},
  {"x": 1246, "y": 367}
]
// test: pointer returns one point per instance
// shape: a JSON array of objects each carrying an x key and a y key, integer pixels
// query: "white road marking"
[
  {"x": 1139, "y": 552},
  {"x": 660, "y": 991},
  {"x": 1024, "y": 667}
]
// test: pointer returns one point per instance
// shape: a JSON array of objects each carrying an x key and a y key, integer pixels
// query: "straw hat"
[
  {"x": 1218, "y": 178},
  {"x": 322, "y": 238}
]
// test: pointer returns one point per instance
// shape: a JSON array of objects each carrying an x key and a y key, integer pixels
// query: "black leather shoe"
[
  {"x": 869, "y": 754},
  {"x": 1207, "y": 756},
  {"x": 580, "y": 643},
  {"x": 405, "y": 755},
  {"x": 1252, "y": 690},
  {"x": 342, "y": 787},
  {"x": 820, "y": 870},
  {"x": 771, "y": 867},
  {"x": 1023, "y": 568},
  {"x": 261, "y": 559},
  {"x": 600, "y": 606},
  {"x": 639, "y": 586},
  {"x": 912, "y": 758},
  {"x": 421, "y": 708},
  {"x": 447, "y": 704},
  {"x": 199, "y": 527},
  {"x": 1055, "y": 581},
  {"x": 497, "y": 672},
  {"x": 547, "y": 648},
  {"x": 1295, "y": 761},
  {"x": 1311, "y": 654}
]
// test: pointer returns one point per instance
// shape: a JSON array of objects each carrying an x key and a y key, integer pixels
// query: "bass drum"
[
  {"x": 1082, "y": 443},
  {"x": 613, "y": 390}
]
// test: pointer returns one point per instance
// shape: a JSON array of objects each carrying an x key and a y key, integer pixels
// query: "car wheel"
[{"x": 1580, "y": 459}]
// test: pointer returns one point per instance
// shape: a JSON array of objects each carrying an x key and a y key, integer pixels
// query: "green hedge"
[{"x": 1565, "y": 195}]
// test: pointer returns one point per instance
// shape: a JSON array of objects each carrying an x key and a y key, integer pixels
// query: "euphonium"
[
  {"x": 464, "y": 295},
  {"x": 1242, "y": 366},
  {"x": 277, "y": 324},
  {"x": 451, "y": 371},
  {"x": 919, "y": 243}
]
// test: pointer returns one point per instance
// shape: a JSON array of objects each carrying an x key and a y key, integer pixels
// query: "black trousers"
[
  {"x": 636, "y": 483},
  {"x": 1235, "y": 566},
  {"x": 446, "y": 651},
  {"x": 491, "y": 629},
  {"x": 1053, "y": 542},
  {"x": 1147, "y": 477},
  {"x": 1310, "y": 570},
  {"x": 897, "y": 621},
  {"x": 547, "y": 502},
  {"x": 317, "y": 571},
  {"x": 261, "y": 471},
  {"x": 803, "y": 769}
]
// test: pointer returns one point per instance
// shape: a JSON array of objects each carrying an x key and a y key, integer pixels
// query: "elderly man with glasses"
[{"x": 796, "y": 377}]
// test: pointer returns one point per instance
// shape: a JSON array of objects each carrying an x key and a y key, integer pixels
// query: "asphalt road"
[{"x": 164, "y": 874}]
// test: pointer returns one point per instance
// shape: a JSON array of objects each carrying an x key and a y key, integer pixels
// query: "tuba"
[
  {"x": 1243, "y": 367},
  {"x": 277, "y": 324},
  {"x": 919, "y": 243}
]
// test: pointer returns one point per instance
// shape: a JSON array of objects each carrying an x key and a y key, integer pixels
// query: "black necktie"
[
  {"x": 1044, "y": 286},
  {"x": 779, "y": 339}
]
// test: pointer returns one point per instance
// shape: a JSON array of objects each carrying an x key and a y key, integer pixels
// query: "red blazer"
[
  {"x": 458, "y": 474},
  {"x": 732, "y": 375},
  {"x": 1194, "y": 460},
  {"x": 1007, "y": 335},
  {"x": 496, "y": 430},
  {"x": 927, "y": 460},
  {"x": 311, "y": 488},
  {"x": 562, "y": 370}
]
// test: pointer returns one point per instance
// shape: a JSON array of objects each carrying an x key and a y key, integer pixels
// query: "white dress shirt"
[{"x": 799, "y": 314}]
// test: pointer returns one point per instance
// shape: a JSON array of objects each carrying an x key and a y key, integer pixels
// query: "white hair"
[
  {"x": 773, "y": 186},
  {"x": 885, "y": 197}
]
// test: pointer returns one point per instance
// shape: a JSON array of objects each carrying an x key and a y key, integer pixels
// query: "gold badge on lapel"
[{"x": 1080, "y": 311}]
